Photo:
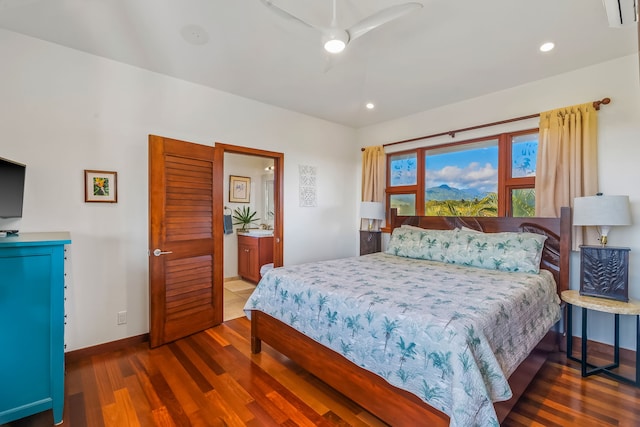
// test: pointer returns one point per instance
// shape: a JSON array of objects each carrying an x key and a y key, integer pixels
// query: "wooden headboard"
[{"x": 557, "y": 247}]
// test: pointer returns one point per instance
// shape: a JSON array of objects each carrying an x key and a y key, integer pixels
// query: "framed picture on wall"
[
  {"x": 239, "y": 189},
  {"x": 100, "y": 186}
]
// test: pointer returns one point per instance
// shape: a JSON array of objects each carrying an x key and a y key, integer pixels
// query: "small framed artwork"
[
  {"x": 100, "y": 186},
  {"x": 239, "y": 189}
]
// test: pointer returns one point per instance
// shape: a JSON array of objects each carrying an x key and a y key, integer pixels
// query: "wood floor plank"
[
  {"x": 206, "y": 356},
  {"x": 259, "y": 390},
  {"x": 162, "y": 418},
  {"x": 229, "y": 416},
  {"x": 211, "y": 379},
  {"x": 113, "y": 369},
  {"x": 121, "y": 412},
  {"x": 142, "y": 375},
  {"x": 76, "y": 413},
  {"x": 142, "y": 406},
  {"x": 184, "y": 388},
  {"x": 91, "y": 393},
  {"x": 105, "y": 389},
  {"x": 294, "y": 414},
  {"x": 189, "y": 366},
  {"x": 233, "y": 398},
  {"x": 170, "y": 403}
]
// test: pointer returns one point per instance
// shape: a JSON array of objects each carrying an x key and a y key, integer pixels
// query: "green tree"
[
  {"x": 487, "y": 206},
  {"x": 523, "y": 202}
]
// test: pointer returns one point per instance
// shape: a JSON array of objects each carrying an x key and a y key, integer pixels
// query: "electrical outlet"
[{"x": 122, "y": 317}]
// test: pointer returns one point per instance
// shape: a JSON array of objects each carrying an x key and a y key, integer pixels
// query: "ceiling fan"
[{"x": 334, "y": 38}]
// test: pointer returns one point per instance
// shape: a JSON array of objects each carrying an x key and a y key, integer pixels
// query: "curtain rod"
[{"x": 452, "y": 133}]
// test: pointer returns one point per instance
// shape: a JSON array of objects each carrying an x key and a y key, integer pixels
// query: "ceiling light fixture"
[
  {"x": 546, "y": 47},
  {"x": 370, "y": 106},
  {"x": 335, "y": 40}
]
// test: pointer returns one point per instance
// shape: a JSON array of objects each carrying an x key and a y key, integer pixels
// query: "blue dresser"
[{"x": 32, "y": 325}]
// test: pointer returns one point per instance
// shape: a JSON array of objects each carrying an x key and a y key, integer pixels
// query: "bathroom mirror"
[{"x": 269, "y": 206}]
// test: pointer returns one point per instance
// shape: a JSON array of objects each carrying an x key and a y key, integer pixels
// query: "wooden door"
[{"x": 185, "y": 238}]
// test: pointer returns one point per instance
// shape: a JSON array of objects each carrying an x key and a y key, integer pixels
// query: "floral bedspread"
[{"x": 449, "y": 334}]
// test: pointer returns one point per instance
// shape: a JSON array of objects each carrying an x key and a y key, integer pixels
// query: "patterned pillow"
[
  {"x": 507, "y": 251},
  {"x": 420, "y": 243}
]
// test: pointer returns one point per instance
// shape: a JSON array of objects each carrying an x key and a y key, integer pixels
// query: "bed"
[{"x": 403, "y": 349}]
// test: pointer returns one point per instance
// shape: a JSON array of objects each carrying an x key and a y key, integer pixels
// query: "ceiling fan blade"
[
  {"x": 380, "y": 18},
  {"x": 328, "y": 62},
  {"x": 284, "y": 14}
]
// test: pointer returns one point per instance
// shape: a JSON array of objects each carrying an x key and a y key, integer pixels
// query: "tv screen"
[{"x": 11, "y": 188}]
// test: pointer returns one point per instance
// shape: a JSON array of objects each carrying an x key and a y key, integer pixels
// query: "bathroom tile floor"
[{"x": 236, "y": 294}]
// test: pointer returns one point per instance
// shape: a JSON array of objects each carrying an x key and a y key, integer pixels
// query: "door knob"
[{"x": 158, "y": 252}]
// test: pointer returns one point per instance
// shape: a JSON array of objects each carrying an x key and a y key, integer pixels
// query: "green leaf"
[{"x": 243, "y": 216}]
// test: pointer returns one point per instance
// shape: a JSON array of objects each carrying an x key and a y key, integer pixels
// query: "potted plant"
[{"x": 243, "y": 216}]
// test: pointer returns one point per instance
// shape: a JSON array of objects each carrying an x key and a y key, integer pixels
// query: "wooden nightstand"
[
  {"x": 370, "y": 242},
  {"x": 617, "y": 308}
]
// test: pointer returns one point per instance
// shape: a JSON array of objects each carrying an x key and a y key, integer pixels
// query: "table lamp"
[
  {"x": 604, "y": 270},
  {"x": 372, "y": 211},
  {"x": 602, "y": 212}
]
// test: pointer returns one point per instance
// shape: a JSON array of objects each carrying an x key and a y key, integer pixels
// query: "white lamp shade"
[
  {"x": 601, "y": 211},
  {"x": 372, "y": 210}
]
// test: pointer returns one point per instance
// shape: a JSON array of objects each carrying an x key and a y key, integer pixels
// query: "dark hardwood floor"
[{"x": 211, "y": 379}]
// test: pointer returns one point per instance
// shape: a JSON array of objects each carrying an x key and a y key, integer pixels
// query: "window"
[
  {"x": 493, "y": 176},
  {"x": 518, "y": 190},
  {"x": 403, "y": 177},
  {"x": 462, "y": 180},
  {"x": 403, "y": 169},
  {"x": 405, "y": 203}
]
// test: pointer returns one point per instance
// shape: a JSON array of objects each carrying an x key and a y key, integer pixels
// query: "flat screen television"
[{"x": 11, "y": 188}]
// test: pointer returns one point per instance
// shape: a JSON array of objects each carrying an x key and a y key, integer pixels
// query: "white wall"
[
  {"x": 63, "y": 111},
  {"x": 618, "y": 154}
]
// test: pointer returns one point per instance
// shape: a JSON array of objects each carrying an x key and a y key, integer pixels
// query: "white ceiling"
[{"x": 447, "y": 51}]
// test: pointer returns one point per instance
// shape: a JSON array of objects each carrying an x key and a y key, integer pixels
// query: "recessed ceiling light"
[
  {"x": 370, "y": 106},
  {"x": 546, "y": 47}
]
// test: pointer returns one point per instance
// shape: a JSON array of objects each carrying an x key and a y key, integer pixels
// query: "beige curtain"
[
  {"x": 373, "y": 179},
  {"x": 567, "y": 161}
]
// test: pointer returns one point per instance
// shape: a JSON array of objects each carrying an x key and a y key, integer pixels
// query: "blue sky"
[{"x": 476, "y": 169}]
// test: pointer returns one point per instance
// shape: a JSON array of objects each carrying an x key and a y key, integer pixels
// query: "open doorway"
[{"x": 263, "y": 171}]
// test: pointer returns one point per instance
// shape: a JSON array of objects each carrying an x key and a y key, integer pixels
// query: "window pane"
[
  {"x": 523, "y": 202},
  {"x": 405, "y": 203},
  {"x": 462, "y": 180},
  {"x": 404, "y": 169},
  {"x": 524, "y": 152}
]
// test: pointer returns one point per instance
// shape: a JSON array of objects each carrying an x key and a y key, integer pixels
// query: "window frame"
[{"x": 506, "y": 183}]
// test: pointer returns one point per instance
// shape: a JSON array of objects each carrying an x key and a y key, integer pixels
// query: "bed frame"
[{"x": 391, "y": 404}]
